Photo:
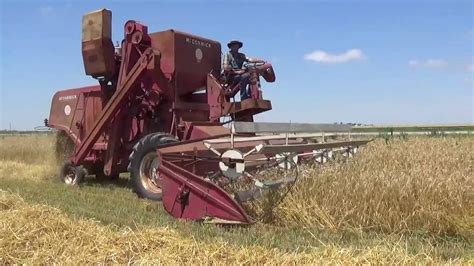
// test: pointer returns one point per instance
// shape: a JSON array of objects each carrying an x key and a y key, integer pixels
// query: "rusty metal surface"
[
  {"x": 247, "y": 107},
  {"x": 268, "y": 73},
  {"x": 97, "y": 25},
  {"x": 208, "y": 131},
  {"x": 98, "y": 51}
]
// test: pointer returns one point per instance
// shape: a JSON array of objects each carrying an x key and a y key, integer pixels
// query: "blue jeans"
[{"x": 244, "y": 80}]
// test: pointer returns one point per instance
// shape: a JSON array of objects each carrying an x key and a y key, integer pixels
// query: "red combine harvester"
[{"x": 162, "y": 112}]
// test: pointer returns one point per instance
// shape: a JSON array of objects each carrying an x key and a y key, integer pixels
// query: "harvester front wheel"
[{"x": 144, "y": 165}]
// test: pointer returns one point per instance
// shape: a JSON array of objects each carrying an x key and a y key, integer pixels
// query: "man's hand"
[{"x": 227, "y": 67}]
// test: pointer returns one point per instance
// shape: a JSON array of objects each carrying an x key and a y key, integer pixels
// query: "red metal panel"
[
  {"x": 188, "y": 196},
  {"x": 164, "y": 42},
  {"x": 215, "y": 98},
  {"x": 114, "y": 104},
  {"x": 67, "y": 109},
  {"x": 197, "y": 57},
  {"x": 190, "y": 58}
]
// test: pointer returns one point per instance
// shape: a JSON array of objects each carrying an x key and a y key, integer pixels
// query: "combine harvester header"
[{"x": 163, "y": 112}]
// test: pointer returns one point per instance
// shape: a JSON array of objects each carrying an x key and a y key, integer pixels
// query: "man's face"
[{"x": 235, "y": 47}]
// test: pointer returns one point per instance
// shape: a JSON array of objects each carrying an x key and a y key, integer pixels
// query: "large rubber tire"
[{"x": 144, "y": 165}]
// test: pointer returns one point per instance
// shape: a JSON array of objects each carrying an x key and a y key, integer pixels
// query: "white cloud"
[
  {"x": 413, "y": 63},
  {"x": 435, "y": 63},
  {"x": 46, "y": 10},
  {"x": 430, "y": 63},
  {"x": 324, "y": 57}
]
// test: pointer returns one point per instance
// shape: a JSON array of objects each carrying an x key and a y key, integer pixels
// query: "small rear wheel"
[
  {"x": 144, "y": 165},
  {"x": 71, "y": 175}
]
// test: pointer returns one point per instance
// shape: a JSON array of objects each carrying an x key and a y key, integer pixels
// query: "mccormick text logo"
[
  {"x": 67, "y": 97},
  {"x": 198, "y": 42}
]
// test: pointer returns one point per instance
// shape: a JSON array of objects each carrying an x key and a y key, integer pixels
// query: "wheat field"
[{"x": 402, "y": 201}]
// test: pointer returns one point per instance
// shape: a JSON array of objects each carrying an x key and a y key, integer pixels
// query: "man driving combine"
[{"x": 232, "y": 67}]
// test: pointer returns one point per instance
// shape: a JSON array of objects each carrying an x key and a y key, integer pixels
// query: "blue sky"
[{"x": 380, "y": 62}]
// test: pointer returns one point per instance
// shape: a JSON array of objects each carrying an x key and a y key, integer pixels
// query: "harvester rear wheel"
[
  {"x": 64, "y": 148},
  {"x": 144, "y": 164},
  {"x": 70, "y": 174}
]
